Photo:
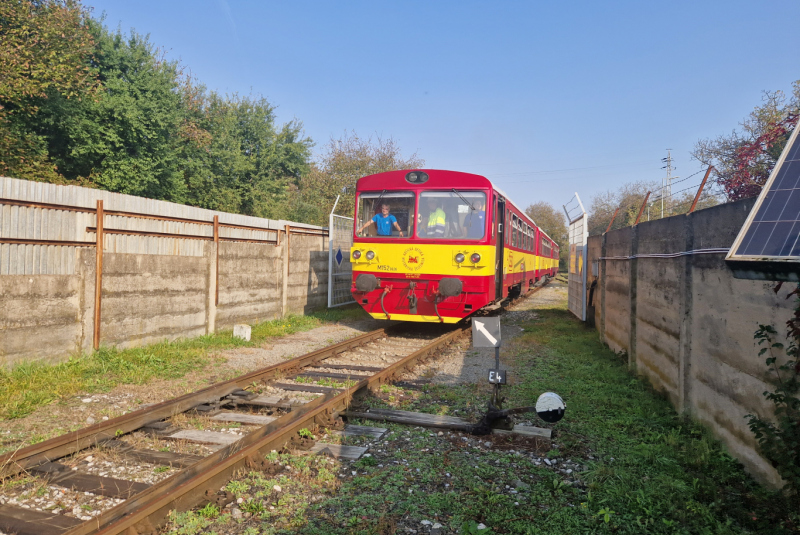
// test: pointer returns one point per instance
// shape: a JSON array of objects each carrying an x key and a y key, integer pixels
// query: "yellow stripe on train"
[
  {"x": 415, "y": 317},
  {"x": 440, "y": 259}
]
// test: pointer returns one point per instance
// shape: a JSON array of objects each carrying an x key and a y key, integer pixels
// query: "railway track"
[{"x": 283, "y": 402}]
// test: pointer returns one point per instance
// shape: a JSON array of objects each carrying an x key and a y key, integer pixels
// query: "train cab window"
[
  {"x": 380, "y": 214},
  {"x": 452, "y": 215}
]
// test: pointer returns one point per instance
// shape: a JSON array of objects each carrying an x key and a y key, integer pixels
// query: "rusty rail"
[
  {"x": 57, "y": 447},
  {"x": 150, "y": 509}
]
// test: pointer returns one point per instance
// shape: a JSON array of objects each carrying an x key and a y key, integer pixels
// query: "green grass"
[
  {"x": 26, "y": 387},
  {"x": 647, "y": 469},
  {"x": 657, "y": 471}
]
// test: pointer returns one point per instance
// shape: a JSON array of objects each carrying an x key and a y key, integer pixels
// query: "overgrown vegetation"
[
  {"x": 744, "y": 159},
  {"x": 642, "y": 467},
  {"x": 26, "y": 387},
  {"x": 779, "y": 440}
]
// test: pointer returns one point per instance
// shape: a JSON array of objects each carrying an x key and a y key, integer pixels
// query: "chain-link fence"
[
  {"x": 340, "y": 271},
  {"x": 578, "y": 236}
]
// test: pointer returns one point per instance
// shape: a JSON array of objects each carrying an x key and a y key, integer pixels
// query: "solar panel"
[{"x": 768, "y": 245}]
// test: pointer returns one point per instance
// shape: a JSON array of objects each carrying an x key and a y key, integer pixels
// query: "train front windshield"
[
  {"x": 452, "y": 215},
  {"x": 374, "y": 222}
]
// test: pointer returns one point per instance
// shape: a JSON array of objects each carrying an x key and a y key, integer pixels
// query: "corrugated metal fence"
[
  {"x": 32, "y": 212},
  {"x": 42, "y": 227}
]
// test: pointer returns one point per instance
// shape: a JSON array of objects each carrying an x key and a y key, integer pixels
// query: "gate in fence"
[
  {"x": 578, "y": 249},
  {"x": 340, "y": 271}
]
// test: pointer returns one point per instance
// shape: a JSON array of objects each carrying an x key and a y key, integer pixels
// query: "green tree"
[
  {"x": 554, "y": 223},
  {"x": 128, "y": 139},
  {"x": 342, "y": 163},
  {"x": 45, "y": 47},
  {"x": 248, "y": 163}
]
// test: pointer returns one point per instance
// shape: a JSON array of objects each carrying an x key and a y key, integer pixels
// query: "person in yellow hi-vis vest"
[{"x": 436, "y": 222}]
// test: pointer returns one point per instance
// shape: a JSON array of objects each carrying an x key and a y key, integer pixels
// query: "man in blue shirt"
[
  {"x": 476, "y": 221},
  {"x": 384, "y": 221}
]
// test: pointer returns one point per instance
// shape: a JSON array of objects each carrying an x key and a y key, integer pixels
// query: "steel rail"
[
  {"x": 61, "y": 446},
  {"x": 148, "y": 510}
]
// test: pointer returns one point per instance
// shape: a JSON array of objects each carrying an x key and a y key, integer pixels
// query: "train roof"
[{"x": 391, "y": 180}]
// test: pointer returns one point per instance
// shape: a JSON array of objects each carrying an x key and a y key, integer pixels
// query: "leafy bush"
[{"x": 779, "y": 441}]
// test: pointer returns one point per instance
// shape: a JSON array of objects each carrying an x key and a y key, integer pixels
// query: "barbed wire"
[{"x": 688, "y": 177}]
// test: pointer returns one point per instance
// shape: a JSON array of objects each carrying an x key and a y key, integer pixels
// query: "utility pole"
[{"x": 666, "y": 182}]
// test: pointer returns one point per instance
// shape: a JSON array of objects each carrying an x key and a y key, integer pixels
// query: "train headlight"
[
  {"x": 416, "y": 177},
  {"x": 356, "y": 254},
  {"x": 370, "y": 255},
  {"x": 460, "y": 257},
  {"x": 475, "y": 258}
]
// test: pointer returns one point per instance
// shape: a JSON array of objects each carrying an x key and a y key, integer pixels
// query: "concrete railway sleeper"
[
  {"x": 136, "y": 507},
  {"x": 292, "y": 394}
]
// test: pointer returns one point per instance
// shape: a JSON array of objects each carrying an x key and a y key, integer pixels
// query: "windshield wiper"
[{"x": 465, "y": 200}]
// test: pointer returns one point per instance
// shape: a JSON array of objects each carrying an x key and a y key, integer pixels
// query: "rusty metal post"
[
  {"x": 216, "y": 262},
  {"x": 285, "y": 276},
  {"x": 700, "y": 190},
  {"x": 288, "y": 241},
  {"x": 98, "y": 279},
  {"x": 638, "y": 217},
  {"x": 613, "y": 217}
]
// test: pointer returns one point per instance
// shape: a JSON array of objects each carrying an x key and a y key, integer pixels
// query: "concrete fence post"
[
  {"x": 633, "y": 266},
  {"x": 602, "y": 290},
  {"x": 212, "y": 259},
  {"x": 686, "y": 304},
  {"x": 285, "y": 276}
]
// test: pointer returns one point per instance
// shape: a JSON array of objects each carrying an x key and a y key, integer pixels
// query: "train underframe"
[{"x": 434, "y": 298}]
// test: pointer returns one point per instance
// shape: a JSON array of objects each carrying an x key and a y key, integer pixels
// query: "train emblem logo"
[{"x": 413, "y": 259}]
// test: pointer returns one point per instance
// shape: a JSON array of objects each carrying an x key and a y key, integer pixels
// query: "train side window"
[
  {"x": 527, "y": 238},
  {"x": 524, "y": 232},
  {"x": 514, "y": 235},
  {"x": 508, "y": 227},
  {"x": 371, "y": 220}
]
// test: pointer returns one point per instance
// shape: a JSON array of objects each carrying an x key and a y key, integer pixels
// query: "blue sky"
[{"x": 545, "y": 99}]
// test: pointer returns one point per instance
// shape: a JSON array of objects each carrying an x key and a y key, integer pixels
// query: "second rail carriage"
[{"x": 436, "y": 246}]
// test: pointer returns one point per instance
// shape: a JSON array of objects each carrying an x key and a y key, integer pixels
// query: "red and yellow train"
[{"x": 436, "y": 246}]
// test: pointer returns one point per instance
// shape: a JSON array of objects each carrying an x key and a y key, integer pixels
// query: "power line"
[{"x": 524, "y": 173}]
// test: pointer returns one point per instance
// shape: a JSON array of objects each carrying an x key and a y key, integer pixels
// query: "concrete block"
[{"x": 242, "y": 331}]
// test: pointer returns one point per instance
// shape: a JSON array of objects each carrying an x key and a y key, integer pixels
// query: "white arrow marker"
[{"x": 482, "y": 329}]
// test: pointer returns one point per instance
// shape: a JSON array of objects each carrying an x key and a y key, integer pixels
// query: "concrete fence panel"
[
  {"x": 168, "y": 270},
  {"x": 687, "y": 324}
]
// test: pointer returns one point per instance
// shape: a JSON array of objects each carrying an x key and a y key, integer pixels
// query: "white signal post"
[{"x": 486, "y": 333}]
